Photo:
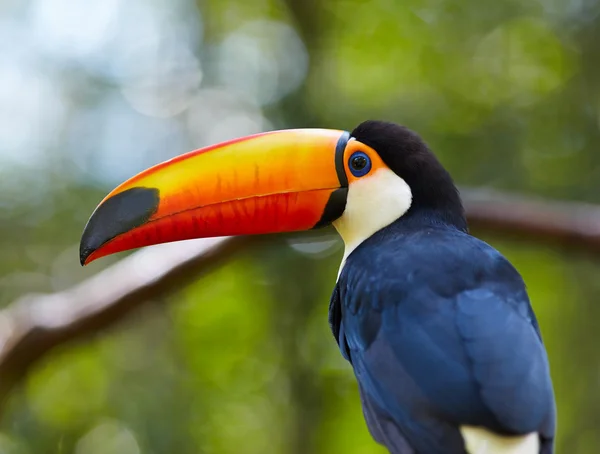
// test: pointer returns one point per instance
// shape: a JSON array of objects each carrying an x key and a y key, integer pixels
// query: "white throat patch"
[{"x": 373, "y": 202}]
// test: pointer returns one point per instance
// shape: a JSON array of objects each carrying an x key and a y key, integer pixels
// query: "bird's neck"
[
  {"x": 419, "y": 218},
  {"x": 413, "y": 220}
]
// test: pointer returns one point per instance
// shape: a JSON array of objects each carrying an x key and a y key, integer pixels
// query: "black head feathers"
[{"x": 407, "y": 155}]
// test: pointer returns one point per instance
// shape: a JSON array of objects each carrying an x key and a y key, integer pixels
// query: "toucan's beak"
[{"x": 279, "y": 181}]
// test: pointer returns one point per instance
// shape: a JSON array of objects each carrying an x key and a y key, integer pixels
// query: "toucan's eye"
[{"x": 359, "y": 164}]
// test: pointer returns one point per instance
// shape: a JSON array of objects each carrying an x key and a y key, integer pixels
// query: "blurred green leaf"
[{"x": 70, "y": 387}]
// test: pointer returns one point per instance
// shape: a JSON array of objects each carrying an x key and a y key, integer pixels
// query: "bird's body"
[
  {"x": 439, "y": 330},
  {"x": 437, "y": 324}
]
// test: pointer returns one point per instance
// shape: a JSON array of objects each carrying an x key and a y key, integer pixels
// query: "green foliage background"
[{"x": 506, "y": 92}]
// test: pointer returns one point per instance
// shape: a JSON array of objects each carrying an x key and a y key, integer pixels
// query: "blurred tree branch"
[
  {"x": 567, "y": 224},
  {"x": 34, "y": 324}
]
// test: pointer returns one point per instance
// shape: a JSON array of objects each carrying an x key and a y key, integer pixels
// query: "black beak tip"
[
  {"x": 84, "y": 253},
  {"x": 117, "y": 215}
]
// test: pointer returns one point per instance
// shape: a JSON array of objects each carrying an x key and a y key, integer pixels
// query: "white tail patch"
[{"x": 482, "y": 441}]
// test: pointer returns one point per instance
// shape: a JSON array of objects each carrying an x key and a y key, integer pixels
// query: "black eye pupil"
[{"x": 359, "y": 163}]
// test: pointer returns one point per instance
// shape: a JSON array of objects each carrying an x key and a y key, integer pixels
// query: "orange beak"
[{"x": 280, "y": 181}]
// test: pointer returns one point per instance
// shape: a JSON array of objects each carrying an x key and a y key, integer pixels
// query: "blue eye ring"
[{"x": 359, "y": 164}]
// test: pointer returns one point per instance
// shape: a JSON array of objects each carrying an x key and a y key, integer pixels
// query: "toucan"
[{"x": 436, "y": 324}]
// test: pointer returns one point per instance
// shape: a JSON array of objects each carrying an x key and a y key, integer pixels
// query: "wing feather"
[{"x": 443, "y": 341}]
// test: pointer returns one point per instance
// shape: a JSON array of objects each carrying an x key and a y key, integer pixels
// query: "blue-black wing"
[{"x": 440, "y": 333}]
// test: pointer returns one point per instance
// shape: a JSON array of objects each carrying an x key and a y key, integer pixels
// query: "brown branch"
[
  {"x": 571, "y": 224},
  {"x": 33, "y": 325}
]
